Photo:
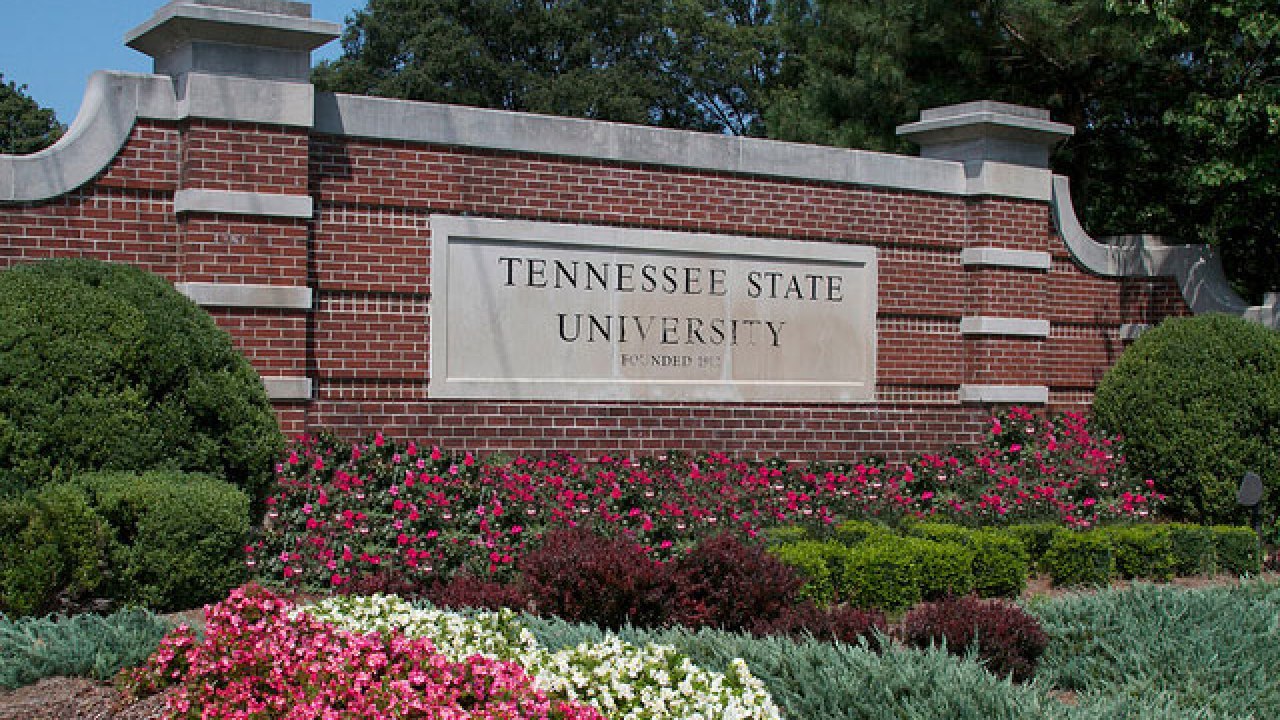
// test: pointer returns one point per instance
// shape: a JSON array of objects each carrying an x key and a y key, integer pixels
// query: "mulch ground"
[{"x": 75, "y": 699}]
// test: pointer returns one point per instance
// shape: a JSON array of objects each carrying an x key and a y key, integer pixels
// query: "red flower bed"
[{"x": 341, "y": 512}]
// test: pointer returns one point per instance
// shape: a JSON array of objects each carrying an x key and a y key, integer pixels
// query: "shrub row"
[
  {"x": 870, "y": 565},
  {"x": 1150, "y": 552},
  {"x": 580, "y": 576},
  {"x": 167, "y": 541}
]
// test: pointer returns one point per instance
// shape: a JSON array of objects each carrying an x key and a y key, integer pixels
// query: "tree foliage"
[
  {"x": 25, "y": 127},
  {"x": 696, "y": 64},
  {"x": 1176, "y": 103}
]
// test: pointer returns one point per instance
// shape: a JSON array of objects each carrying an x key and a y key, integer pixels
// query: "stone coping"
[{"x": 1197, "y": 269}]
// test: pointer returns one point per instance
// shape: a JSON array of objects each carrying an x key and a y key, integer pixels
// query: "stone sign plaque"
[{"x": 531, "y": 310}]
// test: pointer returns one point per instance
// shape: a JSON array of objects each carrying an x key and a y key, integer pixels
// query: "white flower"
[{"x": 652, "y": 682}]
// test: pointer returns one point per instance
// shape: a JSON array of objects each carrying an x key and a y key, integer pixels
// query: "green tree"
[
  {"x": 1197, "y": 161},
  {"x": 861, "y": 67},
  {"x": 695, "y": 64},
  {"x": 727, "y": 56},
  {"x": 1176, "y": 103},
  {"x": 25, "y": 127}
]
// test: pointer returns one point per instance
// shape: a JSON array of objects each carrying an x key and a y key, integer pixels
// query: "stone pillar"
[
  {"x": 241, "y": 73},
  {"x": 1005, "y": 323}
]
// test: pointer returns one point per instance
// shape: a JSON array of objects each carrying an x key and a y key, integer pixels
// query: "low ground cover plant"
[
  {"x": 1149, "y": 651},
  {"x": 84, "y": 645}
]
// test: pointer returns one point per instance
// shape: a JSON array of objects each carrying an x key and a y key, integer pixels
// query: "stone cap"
[
  {"x": 270, "y": 39},
  {"x": 987, "y": 131}
]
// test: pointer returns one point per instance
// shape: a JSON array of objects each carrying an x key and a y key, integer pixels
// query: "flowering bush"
[
  {"x": 1031, "y": 468},
  {"x": 623, "y": 681},
  {"x": 341, "y": 512},
  {"x": 260, "y": 660}
]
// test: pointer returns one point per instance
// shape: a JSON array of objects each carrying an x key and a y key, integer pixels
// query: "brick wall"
[{"x": 365, "y": 254}]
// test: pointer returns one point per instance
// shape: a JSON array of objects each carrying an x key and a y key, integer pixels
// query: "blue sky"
[{"x": 52, "y": 46}]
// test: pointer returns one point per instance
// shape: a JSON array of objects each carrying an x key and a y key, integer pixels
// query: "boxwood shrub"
[
  {"x": 938, "y": 532},
  {"x": 177, "y": 539},
  {"x": 1000, "y": 563},
  {"x": 945, "y": 568},
  {"x": 1035, "y": 537},
  {"x": 1079, "y": 558},
  {"x": 881, "y": 574},
  {"x": 1197, "y": 400},
  {"x": 1143, "y": 551},
  {"x": 54, "y": 551},
  {"x": 853, "y": 532},
  {"x": 1193, "y": 549},
  {"x": 821, "y": 564},
  {"x": 1236, "y": 549},
  {"x": 108, "y": 367}
]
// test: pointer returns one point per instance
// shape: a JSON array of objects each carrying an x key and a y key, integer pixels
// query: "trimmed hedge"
[
  {"x": 1000, "y": 564},
  {"x": 946, "y": 568},
  {"x": 853, "y": 532},
  {"x": 1193, "y": 549},
  {"x": 1079, "y": 558},
  {"x": 1143, "y": 551},
  {"x": 936, "y": 560},
  {"x": 108, "y": 367},
  {"x": 821, "y": 564},
  {"x": 1236, "y": 549},
  {"x": 879, "y": 574},
  {"x": 1035, "y": 538}
]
